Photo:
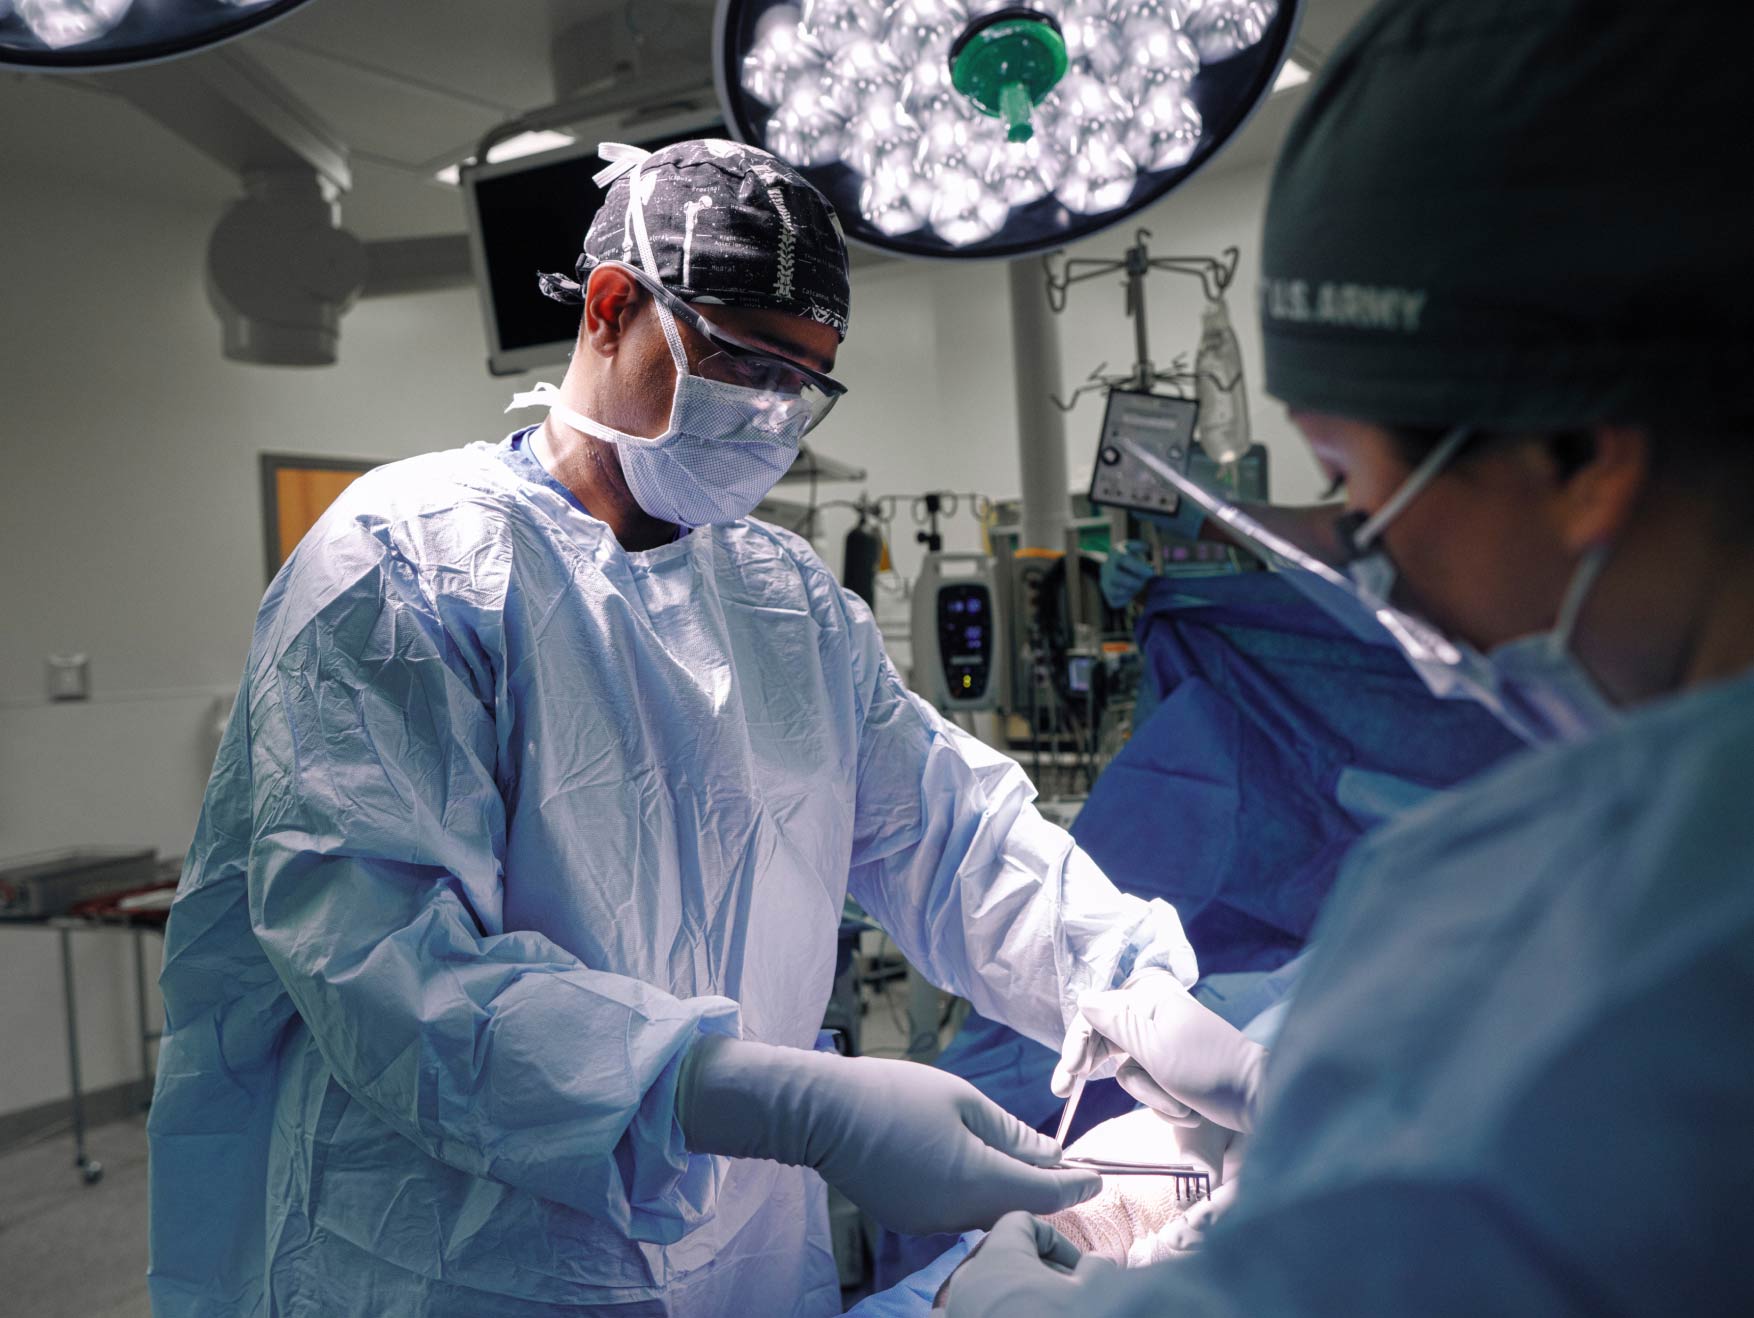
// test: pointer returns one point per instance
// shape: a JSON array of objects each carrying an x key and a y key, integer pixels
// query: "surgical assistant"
[
  {"x": 516, "y": 888},
  {"x": 1514, "y": 1077}
]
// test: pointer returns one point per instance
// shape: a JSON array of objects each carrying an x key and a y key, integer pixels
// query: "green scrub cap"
[{"x": 1518, "y": 214}]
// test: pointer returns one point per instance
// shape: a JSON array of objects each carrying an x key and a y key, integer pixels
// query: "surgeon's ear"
[
  {"x": 1597, "y": 499},
  {"x": 611, "y": 299}
]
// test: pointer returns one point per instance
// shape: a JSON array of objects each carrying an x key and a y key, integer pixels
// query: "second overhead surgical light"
[
  {"x": 80, "y": 35},
  {"x": 952, "y": 112}
]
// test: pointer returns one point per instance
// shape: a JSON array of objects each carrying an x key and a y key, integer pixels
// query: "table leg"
[
  {"x": 140, "y": 1016},
  {"x": 88, "y": 1168}
]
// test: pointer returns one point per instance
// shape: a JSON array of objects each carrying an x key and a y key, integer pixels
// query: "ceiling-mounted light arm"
[
  {"x": 396, "y": 267},
  {"x": 230, "y": 107}
]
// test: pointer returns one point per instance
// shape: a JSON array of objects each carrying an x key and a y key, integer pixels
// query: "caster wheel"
[{"x": 93, "y": 1172}]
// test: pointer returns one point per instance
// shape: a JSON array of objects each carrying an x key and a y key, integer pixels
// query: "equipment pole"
[{"x": 1041, "y": 427}]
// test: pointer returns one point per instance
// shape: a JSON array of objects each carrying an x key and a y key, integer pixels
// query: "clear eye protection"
[{"x": 732, "y": 361}]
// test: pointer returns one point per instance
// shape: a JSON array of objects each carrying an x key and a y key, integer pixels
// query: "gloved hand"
[
  {"x": 1084, "y": 1052},
  {"x": 1023, "y": 1267},
  {"x": 1187, "y": 1233},
  {"x": 919, "y": 1149},
  {"x": 1137, "y": 1220},
  {"x": 1181, "y": 1058},
  {"x": 1125, "y": 572},
  {"x": 1218, "y": 1151}
]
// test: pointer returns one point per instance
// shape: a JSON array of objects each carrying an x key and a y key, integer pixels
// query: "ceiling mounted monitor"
[
  {"x": 529, "y": 214},
  {"x": 977, "y": 128},
  {"x": 90, "y": 36}
]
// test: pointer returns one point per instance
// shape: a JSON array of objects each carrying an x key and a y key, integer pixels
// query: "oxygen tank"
[{"x": 864, "y": 552}]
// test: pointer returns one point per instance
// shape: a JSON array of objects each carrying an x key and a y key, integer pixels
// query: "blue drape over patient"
[{"x": 1278, "y": 737}]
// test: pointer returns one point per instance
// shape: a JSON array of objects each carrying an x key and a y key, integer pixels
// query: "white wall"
[
  {"x": 130, "y": 529},
  {"x": 130, "y": 507},
  {"x": 929, "y": 405}
]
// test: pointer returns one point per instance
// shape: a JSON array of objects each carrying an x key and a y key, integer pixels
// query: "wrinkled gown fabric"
[{"x": 505, "y": 817}]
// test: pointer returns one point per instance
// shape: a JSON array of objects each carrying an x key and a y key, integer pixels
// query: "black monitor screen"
[{"x": 534, "y": 220}]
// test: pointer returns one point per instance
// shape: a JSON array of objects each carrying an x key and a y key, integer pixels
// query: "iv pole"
[
  {"x": 1214, "y": 274},
  {"x": 1136, "y": 263}
]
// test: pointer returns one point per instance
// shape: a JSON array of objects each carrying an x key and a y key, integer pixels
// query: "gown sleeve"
[
  {"x": 375, "y": 879},
  {"x": 1565, "y": 1134},
  {"x": 1615, "y": 1182},
  {"x": 985, "y": 896}
]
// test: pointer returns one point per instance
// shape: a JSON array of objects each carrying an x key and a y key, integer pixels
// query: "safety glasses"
[{"x": 738, "y": 363}]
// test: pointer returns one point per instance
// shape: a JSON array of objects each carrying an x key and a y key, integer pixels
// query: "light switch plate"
[{"x": 69, "y": 677}]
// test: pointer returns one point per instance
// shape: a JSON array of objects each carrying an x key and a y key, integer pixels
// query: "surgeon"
[
  {"x": 1506, "y": 298},
  {"x": 494, "y": 979}
]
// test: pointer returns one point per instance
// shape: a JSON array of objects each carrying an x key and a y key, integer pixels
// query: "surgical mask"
[
  {"x": 1534, "y": 685},
  {"x": 725, "y": 446},
  {"x": 1541, "y": 678},
  {"x": 715, "y": 462}
]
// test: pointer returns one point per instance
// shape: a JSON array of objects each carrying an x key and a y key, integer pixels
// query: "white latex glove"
[
  {"x": 1085, "y": 1052},
  {"x": 1181, "y": 1058},
  {"x": 1023, "y": 1269},
  {"x": 919, "y": 1149},
  {"x": 1185, "y": 1234}
]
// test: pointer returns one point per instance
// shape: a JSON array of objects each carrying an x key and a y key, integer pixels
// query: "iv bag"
[{"x": 1223, "y": 424}]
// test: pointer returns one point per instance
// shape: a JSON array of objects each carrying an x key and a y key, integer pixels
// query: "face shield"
[{"x": 1356, "y": 590}]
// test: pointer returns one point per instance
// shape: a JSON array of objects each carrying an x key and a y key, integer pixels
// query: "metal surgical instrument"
[
  {"x": 1190, "y": 1181},
  {"x": 1070, "y": 1108}
]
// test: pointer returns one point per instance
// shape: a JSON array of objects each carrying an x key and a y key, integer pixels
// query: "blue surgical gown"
[
  {"x": 1516, "y": 1078},
  {"x": 504, "y": 819}
]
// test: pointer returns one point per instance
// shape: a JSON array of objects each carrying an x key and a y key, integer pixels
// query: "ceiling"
[{"x": 412, "y": 85}]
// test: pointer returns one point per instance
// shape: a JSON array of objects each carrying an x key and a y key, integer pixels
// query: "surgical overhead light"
[
  {"x": 45, "y": 36},
  {"x": 978, "y": 128}
]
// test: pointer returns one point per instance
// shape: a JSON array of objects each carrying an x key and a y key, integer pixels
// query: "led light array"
[
  {"x": 59, "y": 24},
  {"x": 867, "y": 83}
]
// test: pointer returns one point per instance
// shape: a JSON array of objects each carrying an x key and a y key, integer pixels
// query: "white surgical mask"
[
  {"x": 726, "y": 445},
  {"x": 1534, "y": 685},
  {"x": 1541, "y": 679},
  {"x": 716, "y": 460}
]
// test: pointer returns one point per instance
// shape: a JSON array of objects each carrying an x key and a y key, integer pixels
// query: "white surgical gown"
[
  {"x": 1517, "y": 1076},
  {"x": 505, "y": 818}
]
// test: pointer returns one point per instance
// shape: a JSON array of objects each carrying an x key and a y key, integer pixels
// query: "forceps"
[
  {"x": 1071, "y": 1107},
  {"x": 1190, "y": 1181}
]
